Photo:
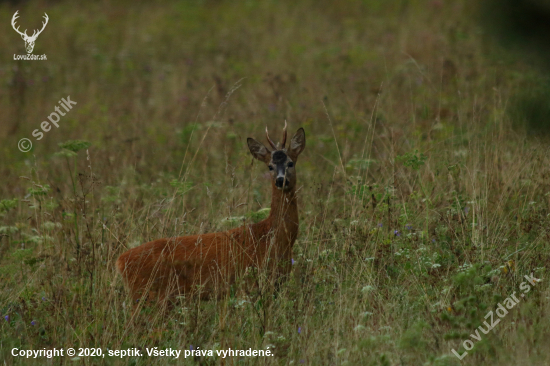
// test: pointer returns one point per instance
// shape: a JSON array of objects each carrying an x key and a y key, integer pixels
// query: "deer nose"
[{"x": 280, "y": 181}]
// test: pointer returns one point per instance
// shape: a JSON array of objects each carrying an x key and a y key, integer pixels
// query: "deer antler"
[
  {"x": 269, "y": 140},
  {"x": 15, "y": 16},
  {"x": 43, "y": 26},
  {"x": 24, "y": 34},
  {"x": 284, "y": 136}
]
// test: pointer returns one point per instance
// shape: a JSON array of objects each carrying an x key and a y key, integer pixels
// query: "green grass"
[{"x": 421, "y": 208}]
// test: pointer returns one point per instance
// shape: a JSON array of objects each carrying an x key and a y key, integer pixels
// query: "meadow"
[{"x": 422, "y": 203}]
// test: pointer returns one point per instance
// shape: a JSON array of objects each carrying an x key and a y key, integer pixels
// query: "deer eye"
[
  {"x": 290, "y": 165},
  {"x": 270, "y": 167}
]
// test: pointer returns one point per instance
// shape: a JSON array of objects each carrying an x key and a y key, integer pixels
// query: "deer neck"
[{"x": 283, "y": 216}]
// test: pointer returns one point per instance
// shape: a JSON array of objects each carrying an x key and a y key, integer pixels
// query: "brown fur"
[{"x": 208, "y": 263}]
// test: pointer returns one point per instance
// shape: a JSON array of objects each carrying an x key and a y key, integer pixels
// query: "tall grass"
[{"x": 420, "y": 207}]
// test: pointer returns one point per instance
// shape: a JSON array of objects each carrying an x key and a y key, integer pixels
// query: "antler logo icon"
[{"x": 29, "y": 41}]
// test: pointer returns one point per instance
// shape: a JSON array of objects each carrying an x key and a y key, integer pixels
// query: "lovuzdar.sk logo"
[{"x": 29, "y": 40}]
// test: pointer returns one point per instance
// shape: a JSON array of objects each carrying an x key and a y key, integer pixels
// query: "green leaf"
[
  {"x": 74, "y": 145},
  {"x": 6, "y": 205},
  {"x": 412, "y": 159},
  {"x": 39, "y": 190},
  {"x": 65, "y": 154}
]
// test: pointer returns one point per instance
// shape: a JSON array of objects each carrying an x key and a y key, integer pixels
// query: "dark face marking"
[
  {"x": 281, "y": 168},
  {"x": 279, "y": 157}
]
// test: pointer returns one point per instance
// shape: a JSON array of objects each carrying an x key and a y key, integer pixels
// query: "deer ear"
[
  {"x": 297, "y": 144},
  {"x": 258, "y": 150}
]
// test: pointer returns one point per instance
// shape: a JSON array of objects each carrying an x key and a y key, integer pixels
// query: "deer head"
[
  {"x": 29, "y": 41},
  {"x": 281, "y": 160}
]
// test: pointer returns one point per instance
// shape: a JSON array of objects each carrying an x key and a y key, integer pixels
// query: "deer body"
[{"x": 209, "y": 263}]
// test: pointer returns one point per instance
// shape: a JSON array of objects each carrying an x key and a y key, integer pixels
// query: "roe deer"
[{"x": 210, "y": 263}]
